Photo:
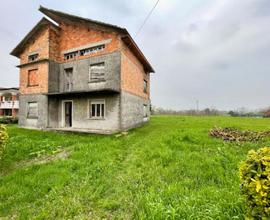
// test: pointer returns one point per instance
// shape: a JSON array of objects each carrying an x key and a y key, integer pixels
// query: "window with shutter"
[
  {"x": 32, "y": 110},
  {"x": 97, "y": 72}
]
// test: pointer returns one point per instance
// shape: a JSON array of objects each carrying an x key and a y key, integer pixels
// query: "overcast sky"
[{"x": 214, "y": 51}]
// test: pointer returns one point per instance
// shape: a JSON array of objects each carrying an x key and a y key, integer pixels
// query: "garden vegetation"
[
  {"x": 170, "y": 168},
  {"x": 255, "y": 177}
]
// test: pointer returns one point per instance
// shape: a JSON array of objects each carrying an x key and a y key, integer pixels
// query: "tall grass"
[{"x": 168, "y": 169}]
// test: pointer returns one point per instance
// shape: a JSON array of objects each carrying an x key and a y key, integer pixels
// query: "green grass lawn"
[{"x": 168, "y": 169}]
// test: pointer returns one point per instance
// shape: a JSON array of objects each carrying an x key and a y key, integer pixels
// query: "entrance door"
[{"x": 68, "y": 114}]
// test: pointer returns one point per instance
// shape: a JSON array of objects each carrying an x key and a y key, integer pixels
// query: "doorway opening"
[{"x": 67, "y": 113}]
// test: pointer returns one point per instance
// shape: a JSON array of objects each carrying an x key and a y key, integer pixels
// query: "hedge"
[
  {"x": 8, "y": 120},
  {"x": 3, "y": 139},
  {"x": 255, "y": 178}
]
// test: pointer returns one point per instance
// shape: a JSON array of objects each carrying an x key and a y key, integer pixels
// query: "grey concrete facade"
[
  {"x": 132, "y": 110},
  {"x": 122, "y": 112},
  {"x": 42, "y": 103},
  {"x": 122, "y": 109},
  {"x": 81, "y": 113},
  {"x": 81, "y": 74}
]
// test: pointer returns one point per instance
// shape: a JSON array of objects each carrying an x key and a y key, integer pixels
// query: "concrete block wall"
[
  {"x": 81, "y": 70},
  {"x": 81, "y": 119},
  {"x": 42, "y": 120},
  {"x": 132, "y": 110}
]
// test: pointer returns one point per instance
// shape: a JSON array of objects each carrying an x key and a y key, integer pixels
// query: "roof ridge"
[
  {"x": 45, "y": 11},
  {"x": 16, "y": 50}
]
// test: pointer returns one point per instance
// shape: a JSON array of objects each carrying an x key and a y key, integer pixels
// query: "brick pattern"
[
  {"x": 33, "y": 77},
  {"x": 41, "y": 77},
  {"x": 74, "y": 35},
  {"x": 40, "y": 45},
  {"x": 133, "y": 74},
  {"x": 50, "y": 42},
  {"x": 54, "y": 51}
]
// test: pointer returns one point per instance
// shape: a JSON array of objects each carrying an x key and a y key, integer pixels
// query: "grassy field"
[{"x": 168, "y": 169}]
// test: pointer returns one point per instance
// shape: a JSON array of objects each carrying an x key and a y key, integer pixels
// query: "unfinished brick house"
[
  {"x": 9, "y": 102},
  {"x": 81, "y": 75}
]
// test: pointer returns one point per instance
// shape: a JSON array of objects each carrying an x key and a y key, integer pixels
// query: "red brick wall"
[
  {"x": 54, "y": 50},
  {"x": 33, "y": 77},
  {"x": 133, "y": 74},
  {"x": 39, "y": 44},
  {"x": 75, "y": 35},
  {"x": 41, "y": 77},
  {"x": 72, "y": 35}
]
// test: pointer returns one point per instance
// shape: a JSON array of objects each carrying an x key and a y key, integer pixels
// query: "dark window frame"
[{"x": 33, "y": 57}]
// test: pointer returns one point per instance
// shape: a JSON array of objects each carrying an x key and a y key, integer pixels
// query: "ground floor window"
[
  {"x": 7, "y": 112},
  {"x": 32, "y": 111},
  {"x": 97, "y": 109}
]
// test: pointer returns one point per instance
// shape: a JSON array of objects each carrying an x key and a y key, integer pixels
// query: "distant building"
[
  {"x": 9, "y": 102},
  {"x": 81, "y": 74}
]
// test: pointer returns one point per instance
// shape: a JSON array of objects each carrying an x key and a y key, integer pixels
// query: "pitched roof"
[
  {"x": 11, "y": 88},
  {"x": 18, "y": 49},
  {"x": 58, "y": 16}
]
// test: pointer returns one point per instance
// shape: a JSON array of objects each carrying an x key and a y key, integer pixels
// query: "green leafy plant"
[
  {"x": 3, "y": 139},
  {"x": 255, "y": 177},
  {"x": 8, "y": 120}
]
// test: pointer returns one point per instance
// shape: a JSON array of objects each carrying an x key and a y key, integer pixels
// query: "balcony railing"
[{"x": 9, "y": 105}]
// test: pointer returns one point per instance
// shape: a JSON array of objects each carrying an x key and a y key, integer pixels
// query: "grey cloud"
[{"x": 218, "y": 54}]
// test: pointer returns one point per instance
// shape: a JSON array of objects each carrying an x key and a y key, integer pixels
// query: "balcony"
[{"x": 9, "y": 105}]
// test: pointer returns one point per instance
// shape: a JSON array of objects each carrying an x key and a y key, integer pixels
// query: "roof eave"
[
  {"x": 16, "y": 51},
  {"x": 145, "y": 62},
  {"x": 54, "y": 15}
]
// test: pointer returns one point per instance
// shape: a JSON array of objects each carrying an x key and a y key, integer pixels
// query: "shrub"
[
  {"x": 255, "y": 178},
  {"x": 8, "y": 120},
  {"x": 3, "y": 139}
]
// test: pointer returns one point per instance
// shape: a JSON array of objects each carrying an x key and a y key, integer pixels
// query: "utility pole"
[{"x": 197, "y": 105}]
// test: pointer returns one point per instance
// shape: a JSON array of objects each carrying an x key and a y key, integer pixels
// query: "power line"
[{"x": 147, "y": 17}]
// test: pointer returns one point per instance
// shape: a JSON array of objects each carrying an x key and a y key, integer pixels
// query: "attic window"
[
  {"x": 33, "y": 57},
  {"x": 71, "y": 55},
  {"x": 84, "y": 52},
  {"x": 92, "y": 50}
]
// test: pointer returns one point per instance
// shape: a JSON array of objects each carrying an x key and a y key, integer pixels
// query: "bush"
[
  {"x": 255, "y": 178},
  {"x": 3, "y": 139},
  {"x": 8, "y": 120}
]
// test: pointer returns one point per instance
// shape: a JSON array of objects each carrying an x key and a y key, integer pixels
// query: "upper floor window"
[
  {"x": 71, "y": 55},
  {"x": 33, "y": 77},
  {"x": 97, "y": 72},
  {"x": 33, "y": 57},
  {"x": 84, "y": 52},
  {"x": 97, "y": 109},
  {"x": 92, "y": 50},
  {"x": 144, "y": 86}
]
